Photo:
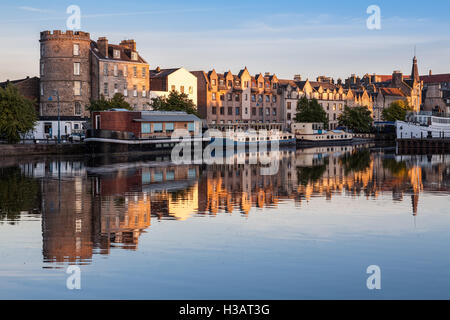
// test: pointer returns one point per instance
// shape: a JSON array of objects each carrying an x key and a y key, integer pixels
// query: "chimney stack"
[
  {"x": 397, "y": 78},
  {"x": 297, "y": 77},
  {"x": 130, "y": 44},
  {"x": 102, "y": 44},
  {"x": 430, "y": 73}
]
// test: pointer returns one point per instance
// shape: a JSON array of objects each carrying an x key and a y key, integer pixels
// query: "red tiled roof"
[
  {"x": 436, "y": 78},
  {"x": 392, "y": 92}
]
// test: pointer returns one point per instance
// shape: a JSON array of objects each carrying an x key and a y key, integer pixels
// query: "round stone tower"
[{"x": 65, "y": 67}]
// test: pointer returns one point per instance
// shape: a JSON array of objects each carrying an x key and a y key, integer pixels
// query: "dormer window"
[
  {"x": 116, "y": 54},
  {"x": 134, "y": 56}
]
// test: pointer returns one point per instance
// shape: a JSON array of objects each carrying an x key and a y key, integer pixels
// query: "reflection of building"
[{"x": 86, "y": 211}]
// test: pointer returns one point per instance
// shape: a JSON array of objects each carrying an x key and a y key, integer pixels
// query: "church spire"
[{"x": 415, "y": 71}]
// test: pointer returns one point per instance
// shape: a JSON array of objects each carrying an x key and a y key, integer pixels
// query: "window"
[
  {"x": 230, "y": 97},
  {"x": 245, "y": 84},
  {"x": 274, "y": 86},
  {"x": 77, "y": 88},
  {"x": 125, "y": 71},
  {"x": 214, "y": 110},
  {"x": 267, "y": 98},
  {"x": 230, "y": 83},
  {"x": 42, "y": 88},
  {"x": 260, "y": 84},
  {"x": 191, "y": 90},
  {"x": 230, "y": 111},
  {"x": 191, "y": 127},
  {"x": 253, "y": 98},
  {"x": 213, "y": 82},
  {"x": 267, "y": 111},
  {"x": 116, "y": 70},
  {"x": 274, "y": 111},
  {"x": 237, "y": 111},
  {"x": 213, "y": 96},
  {"x": 134, "y": 56},
  {"x": 157, "y": 127},
  {"x": 135, "y": 71},
  {"x": 172, "y": 88},
  {"x": 42, "y": 50},
  {"x": 42, "y": 69},
  {"x": 116, "y": 88},
  {"x": 144, "y": 91},
  {"x": 236, "y": 97},
  {"x": 222, "y": 97},
  {"x": 76, "y": 68},
  {"x": 260, "y": 98},
  {"x": 289, "y": 116},
  {"x": 261, "y": 111},
  {"x": 116, "y": 54},
  {"x": 182, "y": 89},
  {"x": 289, "y": 104},
  {"x": 48, "y": 128},
  {"x": 169, "y": 127},
  {"x": 105, "y": 69},
  {"x": 145, "y": 128},
  {"x": 134, "y": 91},
  {"x": 221, "y": 82},
  {"x": 76, "y": 49},
  {"x": 105, "y": 88},
  {"x": 143, "y": 72},
  {"x": 77, "y": 108},
  {"x": 274, "y": 99},
  {"x": 125, "y": 90},
  {"x": 222, "y": 110}
]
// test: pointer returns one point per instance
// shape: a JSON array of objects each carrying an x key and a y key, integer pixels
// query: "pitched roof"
[
  {"x": 125, "y": 53},
  {"x": 162, "y": 73},
  {"x": 435, "y": 78},
  {"x": 392, "y": 92},
  {"x": 5, "y": 83}
]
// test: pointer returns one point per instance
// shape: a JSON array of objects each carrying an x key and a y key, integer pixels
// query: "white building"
[
  {"x": 163, "y": 81},
  {"x": 47, "y": 127}
]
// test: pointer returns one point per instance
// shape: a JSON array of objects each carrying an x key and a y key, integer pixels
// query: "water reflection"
[{"x": 88, "y": 209}]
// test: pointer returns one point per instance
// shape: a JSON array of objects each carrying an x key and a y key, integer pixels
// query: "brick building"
[{"x": 28, "y": 87}]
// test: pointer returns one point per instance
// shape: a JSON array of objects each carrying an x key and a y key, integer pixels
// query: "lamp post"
[{"x": 56, "y": 92}]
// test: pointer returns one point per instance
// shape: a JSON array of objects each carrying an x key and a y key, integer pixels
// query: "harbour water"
[{"x": 143, "y": 228}]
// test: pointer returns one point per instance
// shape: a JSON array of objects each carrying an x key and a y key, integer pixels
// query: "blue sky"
[{"x": 286, "y": 37}]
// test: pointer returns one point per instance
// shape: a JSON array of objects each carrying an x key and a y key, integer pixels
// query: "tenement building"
[
  {"x": 120, "y": 69},
  {"x": 436, "y": 92},
  {"x": 226, "y": 98}
]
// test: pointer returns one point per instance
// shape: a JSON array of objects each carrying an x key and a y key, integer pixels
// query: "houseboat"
[
  {"x": 315, "y": 134},
  {"x": 423, "y": 125},
  {"x": 246, "y": 134},
  {"x": 119, "y": 130}
]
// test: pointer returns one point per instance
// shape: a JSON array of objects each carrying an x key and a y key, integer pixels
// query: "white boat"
[
  {"x": 423, "y": 125},
  {"x": 314, "y": 133},
  {"x": 248, "y": 134}
]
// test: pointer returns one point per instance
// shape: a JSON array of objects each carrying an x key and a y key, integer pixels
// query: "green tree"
[
  {"x": 17, "y": 114},
  {"x": 397, "y": 110},
  {"x": 116, "y": 102},
  {"x": 174, "y": 102},
  {"x": 358, "y": 119},
  {"x": 310, "y": 111}
]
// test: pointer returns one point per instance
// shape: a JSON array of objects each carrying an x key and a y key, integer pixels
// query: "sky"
[{"x": 288, "y": 37}]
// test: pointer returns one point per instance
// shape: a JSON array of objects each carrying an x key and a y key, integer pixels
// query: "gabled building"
[{"x": 163, "y": 81}]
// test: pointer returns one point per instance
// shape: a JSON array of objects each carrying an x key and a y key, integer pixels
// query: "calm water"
[{"x": 144, "y": 228}]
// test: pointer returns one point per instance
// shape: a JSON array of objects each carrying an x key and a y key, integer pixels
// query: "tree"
[
  {"x": 397, "y": 110},
  {"x": 116, "y": 102},
  {"x": 17, "y": 114},
  {"x": 310, "y": 111},
  {"x": 174, "y": 102},
  {"x": 358, "y": 119}
]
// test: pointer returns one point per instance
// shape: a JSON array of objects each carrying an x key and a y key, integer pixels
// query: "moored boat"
[{"x": 315, "y": 134}]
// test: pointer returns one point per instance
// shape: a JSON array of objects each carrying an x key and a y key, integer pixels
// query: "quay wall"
[{"x": 8, "y": 150}]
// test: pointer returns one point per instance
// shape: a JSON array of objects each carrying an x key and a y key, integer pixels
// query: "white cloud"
[{"x": 32, "y": 9}]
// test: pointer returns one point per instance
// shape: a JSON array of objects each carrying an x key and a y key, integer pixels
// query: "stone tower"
[{"x": 65, "y": 66}]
